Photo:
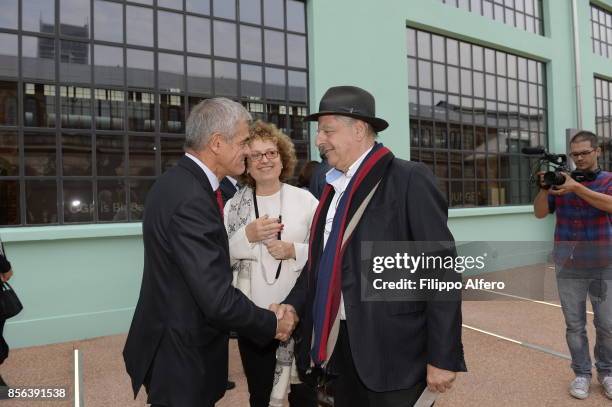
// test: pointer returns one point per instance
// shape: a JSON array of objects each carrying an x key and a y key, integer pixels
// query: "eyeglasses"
[
  {"x": 270, "y": 155},
  {"x": 581, "y": 153}
]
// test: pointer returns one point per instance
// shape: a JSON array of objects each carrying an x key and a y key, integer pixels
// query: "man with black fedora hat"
[{"x": 383, "y": 353}]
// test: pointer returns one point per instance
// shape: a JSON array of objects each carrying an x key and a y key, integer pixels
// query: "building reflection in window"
[
  {"x": 75, "y": 103},
  {"x": 39, "y": 105},
  {"x": 108, "y": 105},
  {"x": 39, "y": 151},
  {"x": 41, "y": 202},
  {"x": 172, "y": 113},
  {"x": 78, "y": 201},
  {"x": 141, "y": 111}
]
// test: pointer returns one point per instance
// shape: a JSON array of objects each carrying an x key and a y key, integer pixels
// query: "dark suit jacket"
[
  {"x": 227, "y": 189},
  {"x": 178, "y": 341},
  {"x": 391, "y": 342}
]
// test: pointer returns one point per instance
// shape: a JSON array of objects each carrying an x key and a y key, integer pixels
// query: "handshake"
[{"x": 287, "y": 320}]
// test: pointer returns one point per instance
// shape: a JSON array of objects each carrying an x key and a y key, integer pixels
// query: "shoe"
[
  {"x": 230, "y": 385},
  {"x": 606, "y": 383},
  {"x": 579, "y": 387}
]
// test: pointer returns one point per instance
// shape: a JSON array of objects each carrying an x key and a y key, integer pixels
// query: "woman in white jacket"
[{"x": 268, "y": 224}]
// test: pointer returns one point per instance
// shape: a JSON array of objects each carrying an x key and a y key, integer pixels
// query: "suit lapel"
[{"x": 197, "y": 172}]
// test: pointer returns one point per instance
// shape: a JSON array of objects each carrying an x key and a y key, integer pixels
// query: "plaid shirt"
[{"x": 583, "y": 233}]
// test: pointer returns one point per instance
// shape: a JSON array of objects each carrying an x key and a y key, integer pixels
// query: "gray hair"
[
  {"x": 217, "y": 115},
  {"x": 349, "y": 121}
]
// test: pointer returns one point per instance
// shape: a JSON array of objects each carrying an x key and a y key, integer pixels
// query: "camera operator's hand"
[
  {"x": 570, "y": 185},
  {"x": 540, "y": 179}
]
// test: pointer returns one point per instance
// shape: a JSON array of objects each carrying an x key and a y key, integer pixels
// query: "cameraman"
[{"x": 582, "y": 254}]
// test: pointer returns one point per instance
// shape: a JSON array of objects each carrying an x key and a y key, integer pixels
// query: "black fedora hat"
[{"x": 349, "y": 101}]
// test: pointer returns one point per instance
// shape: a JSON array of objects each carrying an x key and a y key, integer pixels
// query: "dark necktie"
[{"x": 219, "y": 201}]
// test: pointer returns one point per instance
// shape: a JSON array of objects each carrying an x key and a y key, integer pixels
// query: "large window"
[
  {"x": 96, "y": 108},
  {"x": 601, "y": 31},
  {"x": 603, "y": 120},
  {"x": 523, "y": 14},
  {"x": 472, "y": 110}
]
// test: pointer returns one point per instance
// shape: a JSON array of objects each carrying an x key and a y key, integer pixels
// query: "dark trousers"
[
  {"x": 259, "y": 364},
  {"x": 349, "y": 390}
]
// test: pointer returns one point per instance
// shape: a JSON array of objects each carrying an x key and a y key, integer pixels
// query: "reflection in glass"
[
  {"x": 75, "y": 104},
  {"x": 78, "y": 201},
  {"x": 138, "y": 194},
  {"x": 250, "y": 43},
  {"x": 171, "y": 152},
  {"x": 225, "y": 39},
  {"x": 297, "y": 87},
  {"x": 277, "y": 114},
  {"x": 41, "y": 202},
  {"x": 108, "y": 21},
  {"x": 8, "y": 55},
  {"x": 112, "y": 202},
  {"x": 9, "y": 17},
  {"x": 172, "y": 113},
  {"x": 139, "y": 26},
  {"x": 110, "y": 155},
  {"x": 38, "y": 15},
  {"x": 170, "y": 30},
  {"x": 199, "y": 74},
  {"x": 198, "y": 6},
  {"x": 275, "y": 84},
  {"x": 175, "y": 4},
  {"x": 140, "y": 72},
  {"x": 275, "y": 47},
  {"x": 39, "y": 154},
  {"x": 194, "y": 100},
  {"x": 9, "y": 203},
  {"x": 250, "y": 11},
  {"x": 108, "y": 68},
  {"x": 224, "y": 9},
  {"x": 142, "y": 155},
  {"x": 39, "y": 105},
  {"x": 198, "y": 35},
  {"x": 274, "y": 13},
  {"x": 8, "y": 103},
  {"x": 76, "y": 154},
  {"x": 141, "y": 111},
  {"x": 296, "y": 16},
  {"x": 9, "y": 153},
  {"x": 38, "y": 57},
  {"x": 75, "y": 62},
  {"x": 298, "y": 127},
  {"x": 251, "y": 82},
  {"x": 296, "y": 50},
  {"x": 256, "y": 109},
  {"x": 171, "y": 72},
  {"x": 108, "y": 105},
  {"x": 74, "y": 18},
  {"x": 226, "y": 78}
]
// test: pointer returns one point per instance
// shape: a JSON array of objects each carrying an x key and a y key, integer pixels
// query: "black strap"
[{"x": 280, "y": 263}]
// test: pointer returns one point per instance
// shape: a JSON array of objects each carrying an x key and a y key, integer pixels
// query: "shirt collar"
[
  {"x": 334, "y": 174},
  {"x": 212, "y": 178}
]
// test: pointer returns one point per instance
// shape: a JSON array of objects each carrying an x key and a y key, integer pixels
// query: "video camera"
[{"x": 558, "y": 161}]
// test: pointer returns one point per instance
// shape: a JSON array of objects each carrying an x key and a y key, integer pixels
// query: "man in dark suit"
[
  {"x": 385, "y": 353},
  {"x": 178, "y": 341}
]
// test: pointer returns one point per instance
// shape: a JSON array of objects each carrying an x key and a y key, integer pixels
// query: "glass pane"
[
  {"x": 110, "y": 155},
  {"x": 171, "y": 72},
  {"x": 224, "y": 9},
  {"x": 78, "y": 201},
  {"x": 275, "y": 47},
  {"x": 140, "y": 72},
  {"x": 250, "y": 43},
  {"x": 9, "y": 153},
  {"x": 9, "y": 203},
  {"x": 297, "y": 87},
  {"x": 75, "y": 104},
  {"x": 170, "y": 30},
  {"x": 298, "y": 127},
  {"x": 39, "y": 105},
  {"x": 250, "y": 11},
  {"x": 274, "y": 13},
  {"x": 76, "y": 154},
  {"x": 108, "y": 21},
  {"x": 8, "y": 55},
  {"x": 108, "y": 105},
  {"x": 38, "y": 15},
  {"x": 74, "y": 18},
  {"x": 108, "y": 68},
  {"x": 9, "y": 17},
  {"x": 199, "y": 73},
  {"x": 226, "y": 78},
  {"x": 296, "y": 16},
  {"x": 142, "y": 155},
  {"x": 225, "y": 39},
  {"x": 112, "y": 201},
  {"x": 141, "y": 111},
  {"x": 275, "y": 84},
  {"x": 39, "y": 154},
  {"x": 37, "y": 57},
  {"x": 8, "y": 103},
  {"x": 172, "y": 114},
  {"x": 149, "y": 2},
  {"x": 251, "y": 82},
  {"x": 75, "y": 62},
  {"x": 139, "y": 26},
  {"x": 175, "y": 4},
  {"x": 296, "y": 50},
  {"x": 198, "y": 35},
  {"x": 199, "y": 6},
  {"x": 171, "y": 152},
  {"x": 138, "y": 194},
  {"x": 41, "y": 202}
]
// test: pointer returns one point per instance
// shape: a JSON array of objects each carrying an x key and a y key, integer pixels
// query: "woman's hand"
[
  {"x": 264, "y": 228},
  {"x": 281, "y": 250},
  {"x": 6, "y": 276}
]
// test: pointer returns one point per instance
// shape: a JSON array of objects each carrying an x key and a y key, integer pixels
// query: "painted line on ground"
[{"x": 552, "y": 304}]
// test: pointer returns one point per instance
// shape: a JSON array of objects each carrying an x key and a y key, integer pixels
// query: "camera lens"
[{"x": 553, "y": 178}]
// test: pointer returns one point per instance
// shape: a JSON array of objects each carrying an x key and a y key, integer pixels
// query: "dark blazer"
[
  {"x": 391, "y": 342},
  {"x": 317, "y": 179},
  {"x": 227, "y": 189},
  {"x": 178, "y": 341}
]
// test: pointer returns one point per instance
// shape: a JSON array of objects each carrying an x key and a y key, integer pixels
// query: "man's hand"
[
  {"x": 570, "y": 185},
  {"x": 439, "y": 380},
  {"x": 287, "y": 320},
  {"x": 264, "y": 228},
  {"x": 280, "y": 250},
  {"x": 6, "y": 276}
]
